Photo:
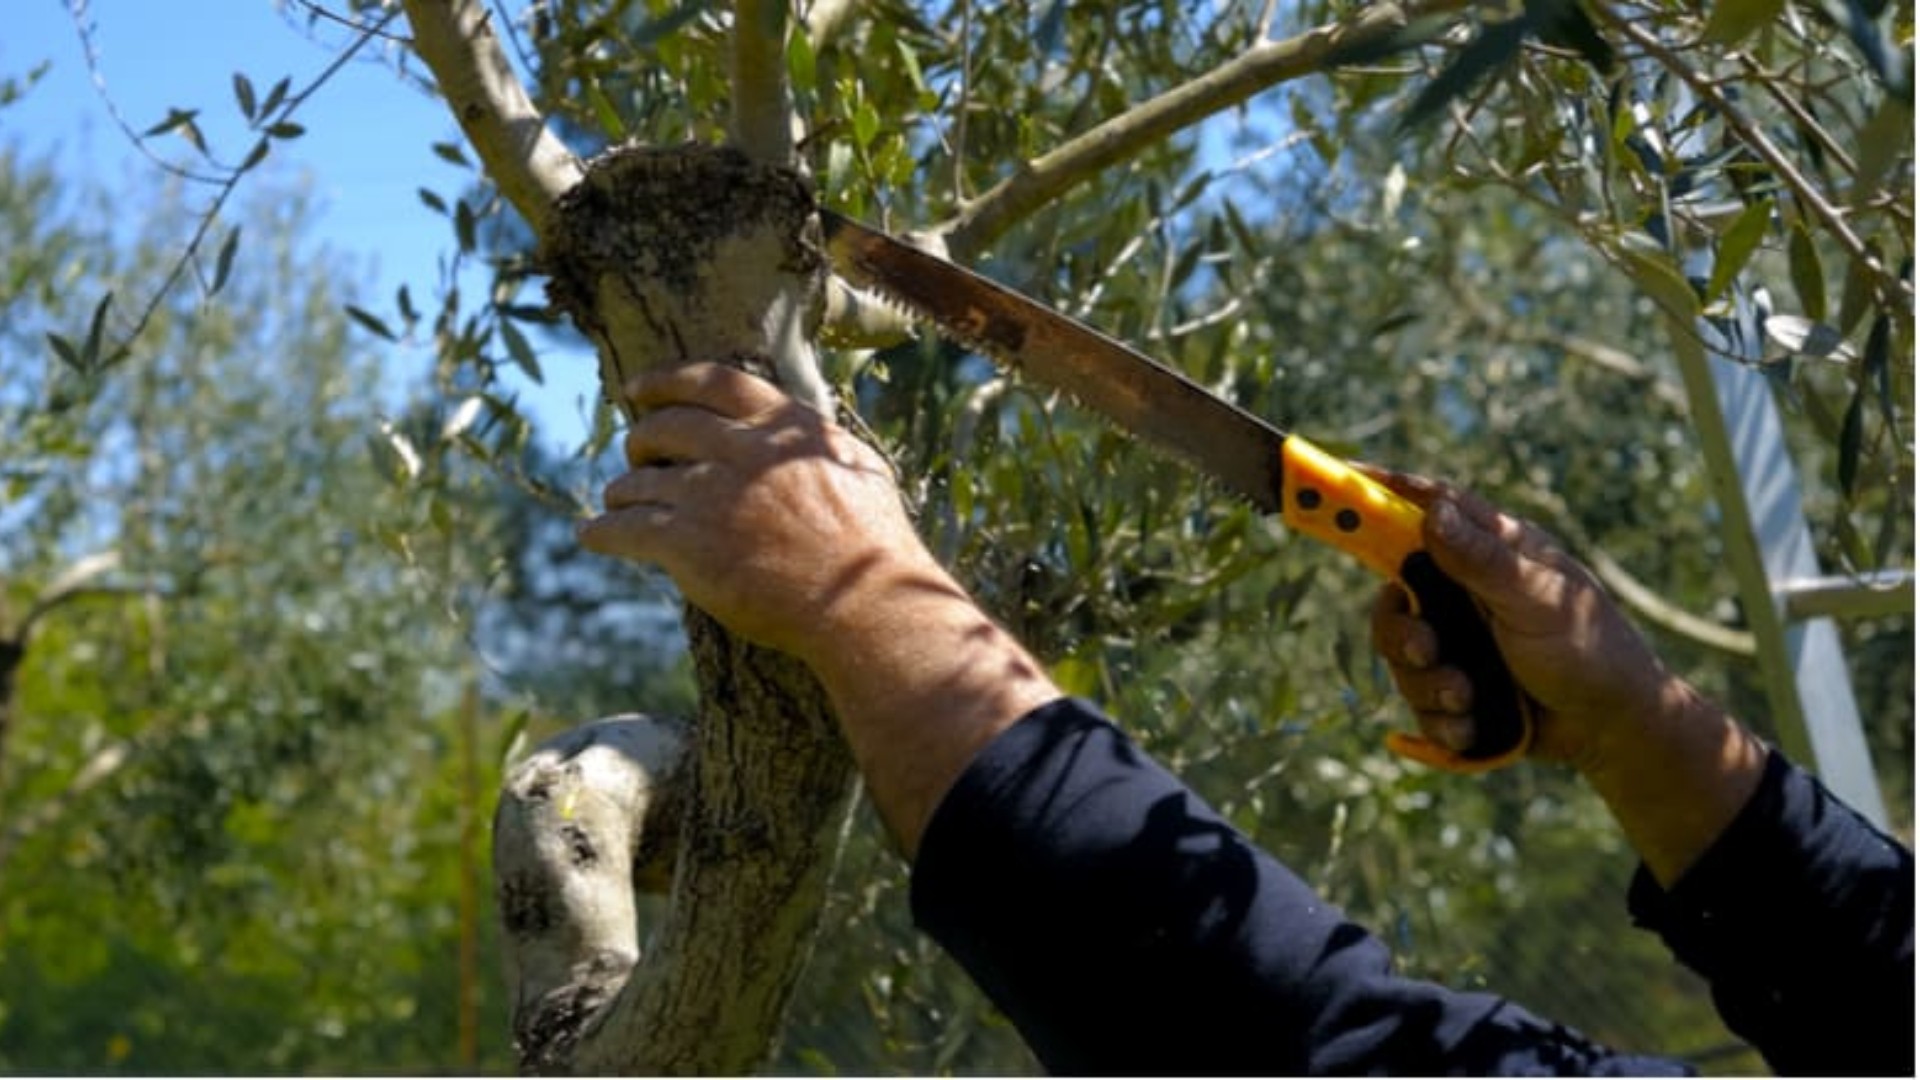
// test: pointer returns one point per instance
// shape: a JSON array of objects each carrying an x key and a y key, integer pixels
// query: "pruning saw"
[{"x": 1312, "y": 491}]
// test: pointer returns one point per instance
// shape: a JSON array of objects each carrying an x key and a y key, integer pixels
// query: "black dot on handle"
[
  {"x": 1308, "y": 498},
  {"x": 1346, "y": 520}
]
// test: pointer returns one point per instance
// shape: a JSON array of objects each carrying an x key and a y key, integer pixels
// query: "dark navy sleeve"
[
  {"x": 1125, "y": 928},
  {"x": 1800, "y": 917}
]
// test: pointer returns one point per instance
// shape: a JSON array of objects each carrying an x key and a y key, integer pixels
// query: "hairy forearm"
[
  {"x": 1676, "y": 777},
  {"x": 922, "y": 680}
]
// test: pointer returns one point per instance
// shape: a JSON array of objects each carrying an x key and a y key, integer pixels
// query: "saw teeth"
[{"x": 1009, "y": 364}]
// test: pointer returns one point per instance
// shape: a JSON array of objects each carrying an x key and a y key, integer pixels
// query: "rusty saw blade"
[{"x": 1143, "y": 396}]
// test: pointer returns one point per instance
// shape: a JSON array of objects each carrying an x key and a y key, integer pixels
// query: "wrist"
[
  {"x": 922, "y": 680},
  {"x": 1675, "y": 777}
]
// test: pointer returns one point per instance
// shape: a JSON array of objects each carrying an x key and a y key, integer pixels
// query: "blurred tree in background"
[{"x": 235, "y": 770}]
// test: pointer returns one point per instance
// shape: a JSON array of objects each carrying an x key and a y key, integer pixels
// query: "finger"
[
  {"x": 634, "y": 532},
  {"x": 1479, "y": 551},
  {"x": 1398, "y": 634},
  {"x": 1442, "y": 691},
  {"x": 678, "y": 433},
  {"x": 1450, "y": 730},
  {"x": 652, "y": 485},
  {"x": 716, "y": 388}
]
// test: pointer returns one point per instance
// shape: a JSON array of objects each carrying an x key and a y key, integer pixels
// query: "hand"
[
  {"x": 1569, "y": 647},
  {"x": 767, "y": 515},
  {"x": 791, "y": 532}
]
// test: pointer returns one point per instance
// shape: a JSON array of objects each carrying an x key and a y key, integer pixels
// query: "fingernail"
[
  {"x": 1418, "y": 652},
  {"x": 1452, "y": 700},
  {"x": 1446, "y": 521},
  {"x": 1457, "y": 734}
]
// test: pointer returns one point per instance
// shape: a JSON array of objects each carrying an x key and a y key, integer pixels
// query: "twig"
[
  {"x": 762, "y": 100},
  {"x": 529, "y": 164},
  {"x": 1261, "y": 67},
  {"x": 77, "y": 10},
  {"x": 227, "y": 188},
  {"x": 1891, "y": 287}
]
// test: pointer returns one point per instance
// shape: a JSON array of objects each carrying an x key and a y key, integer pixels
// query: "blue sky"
[{"x": 366, "y": 151}]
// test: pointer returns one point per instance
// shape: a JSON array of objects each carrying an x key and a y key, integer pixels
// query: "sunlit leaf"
[
  {"x": 1801, "y": 336},
  {"x": 462, "y": 417},
  {"x": 1809, "y": 282},
  {"x": 521, "y": 350},
  {"x": 1730, "y": 22},
  {"x": 1737, "y": 246}
]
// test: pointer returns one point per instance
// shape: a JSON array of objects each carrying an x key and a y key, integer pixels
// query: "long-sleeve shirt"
[{"x": 1124, "y": 927}]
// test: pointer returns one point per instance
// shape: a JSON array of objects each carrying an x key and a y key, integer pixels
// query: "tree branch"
[
  {"x": 1261, "y": 67},
  {"x": 1892, "y": 288},
  {"x": 763, "y": 118},
  {"x": 578, "y": 832},
  {"x": 528, "y": 162}
]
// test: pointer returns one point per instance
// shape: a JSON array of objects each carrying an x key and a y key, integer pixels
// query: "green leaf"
[
  {"x": 451, "y": 154},
  {"x": 866, "y": 124},
  {"x": 371, "y": 322},
  {"x": 1809, "y": 282},
  {"x": 1733, "y": 21},
  {"x": 68, "y": 355},
  {"x": 433, "y": 201},
  {"x": 1875, "y": 368},
  {"x": 604, "y": 112},
  {"x": 286, "y": 130},
  {"x": 243, "y": 93},
  {"x": 1077, "y": 676},
  {"x": 257, "y": 154},
  {"x": 96, "y": 335},
  {"x": 1881, "y": 143},
  {"x": 1856, "y": 295},
  {"x": 176, "y": 118},
  {"x": 223, "y": 263},
  {"x": 463, "y": 225},
  {"x": 1662, "y": 281},
  {"x": 1737, "y": 246},
  {"x": 522, "y": 351},
  {"x": 275, "y": 96},
  {"x": 669, "y": 24},
  {"x": 1851, "y": 430},
  {"x": 803, "y": 69}
]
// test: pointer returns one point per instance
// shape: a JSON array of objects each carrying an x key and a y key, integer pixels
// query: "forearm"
[
  {"x": 921, "y": 680},
  {"x": 1675, "y": 777}
]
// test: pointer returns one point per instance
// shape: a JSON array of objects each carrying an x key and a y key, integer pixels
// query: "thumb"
[{"x": 1482, "y": 549}]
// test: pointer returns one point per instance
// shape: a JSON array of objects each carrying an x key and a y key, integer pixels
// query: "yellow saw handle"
[{"x": 1327, "y": 498}]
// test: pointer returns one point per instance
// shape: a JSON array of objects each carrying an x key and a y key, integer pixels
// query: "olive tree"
[{"x": 665, "y": 161}]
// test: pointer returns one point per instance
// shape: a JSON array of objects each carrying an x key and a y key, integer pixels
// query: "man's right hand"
[
  {"x": 1569, "y": 647},
  {"x": 1673, "y": 767}
]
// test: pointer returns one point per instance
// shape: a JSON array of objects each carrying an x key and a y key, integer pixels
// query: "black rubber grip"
[{"x": 1502, "y": 715}]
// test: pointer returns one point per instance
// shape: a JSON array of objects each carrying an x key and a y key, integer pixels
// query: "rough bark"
[{"x": 662, "y": 257}]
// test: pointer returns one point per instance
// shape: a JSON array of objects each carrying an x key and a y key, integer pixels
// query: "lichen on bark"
[{"x": 671, "y": 255}]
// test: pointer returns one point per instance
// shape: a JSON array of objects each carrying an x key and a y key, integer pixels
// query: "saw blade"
[{"x": 1143, "y": 396}]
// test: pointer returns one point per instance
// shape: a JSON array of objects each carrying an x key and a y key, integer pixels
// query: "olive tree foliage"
[
  {"x": 230, "y": 794},
  {"x": 1458, "y": 238}
]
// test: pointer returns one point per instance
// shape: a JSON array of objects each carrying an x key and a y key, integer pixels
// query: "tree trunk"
[{"x": 664, "y": 257}]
